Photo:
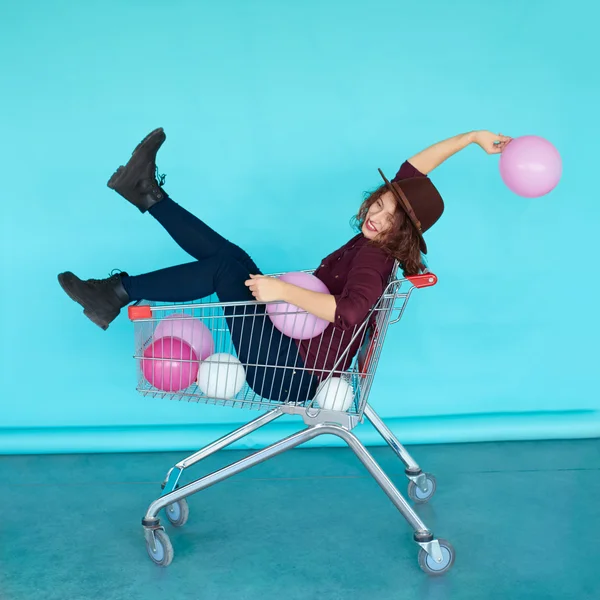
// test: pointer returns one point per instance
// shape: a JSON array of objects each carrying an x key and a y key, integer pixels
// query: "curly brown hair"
[{"x": 401, "y": 241}]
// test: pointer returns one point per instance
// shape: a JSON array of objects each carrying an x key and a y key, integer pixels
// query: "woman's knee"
[
  {"x": 244, "y": 258},
  {"x": 230, "y": 279}
]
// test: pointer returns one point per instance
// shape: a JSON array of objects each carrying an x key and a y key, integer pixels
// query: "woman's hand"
[
  {"x": 492, "y": 143},
  {"x": 266, "y": 289}
]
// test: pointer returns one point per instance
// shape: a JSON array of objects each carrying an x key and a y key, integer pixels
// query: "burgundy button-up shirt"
[{"x": 356, "y": 275}]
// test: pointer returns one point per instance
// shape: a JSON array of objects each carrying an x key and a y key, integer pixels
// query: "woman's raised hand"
[{"x": 492, "y": 143}]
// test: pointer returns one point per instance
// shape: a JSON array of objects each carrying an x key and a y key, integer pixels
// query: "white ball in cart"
[
  {"x": 221, "y": 376},
  {"x": 334, "y": 393}
]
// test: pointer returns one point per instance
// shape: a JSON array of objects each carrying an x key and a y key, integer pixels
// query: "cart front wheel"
[
  {"x": 178, "y": 513},
  {"x": 416, "y": 494},
  {"x": 162, "y": 553},
  {"x": 430, "y": 566}
]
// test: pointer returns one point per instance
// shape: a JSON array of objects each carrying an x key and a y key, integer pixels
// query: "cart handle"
[
  {"x": 423, "y": 280},
  {"x": 365, "y": 354}
]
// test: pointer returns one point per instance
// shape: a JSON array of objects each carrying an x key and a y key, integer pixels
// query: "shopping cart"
[{"x": 320, "y": 415}]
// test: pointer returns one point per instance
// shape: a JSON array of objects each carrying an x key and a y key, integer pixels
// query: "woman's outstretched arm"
[{"x": 433, "y": 156}]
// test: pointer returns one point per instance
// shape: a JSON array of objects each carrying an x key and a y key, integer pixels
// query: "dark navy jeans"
[{"x": 222, "y": 268}]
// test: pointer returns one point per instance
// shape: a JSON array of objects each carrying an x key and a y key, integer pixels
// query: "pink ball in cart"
[
  {"x": 170, "y": 364},
  {"x": 293, "y": 321},
  {"x": 190, "y": 330}
]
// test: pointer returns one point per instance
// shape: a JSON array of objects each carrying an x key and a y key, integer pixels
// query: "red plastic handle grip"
[
  {"x": 139, "y": 312},
  {"x": 424, "y": 280}
]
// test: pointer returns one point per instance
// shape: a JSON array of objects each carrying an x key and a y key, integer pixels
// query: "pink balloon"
[
  {"x": 290, "y": 319},
  {"x": 530, "y": 166},
  {"x": 170, "y": 364},
  {"x": 190, "y": 330}
]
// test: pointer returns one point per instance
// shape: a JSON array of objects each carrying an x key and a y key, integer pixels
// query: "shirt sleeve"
[
  {"x": 407, "y": 171},
  {"x": 366, "y": 281}
]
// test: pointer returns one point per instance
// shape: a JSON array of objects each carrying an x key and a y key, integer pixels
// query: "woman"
[{"x": 391, "y": 223}]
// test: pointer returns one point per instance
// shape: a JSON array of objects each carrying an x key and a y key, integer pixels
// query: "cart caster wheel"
[
  {"x": 162, "y": 555},
  {"x": 178, "y": 513},
  {"x": 430, "y": 566},
  {"x": 416, "y": 494}
]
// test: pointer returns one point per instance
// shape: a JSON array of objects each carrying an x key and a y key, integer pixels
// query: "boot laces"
[
  {"x": 114, "y": 273},
  {"x": 160, "y": 178}
]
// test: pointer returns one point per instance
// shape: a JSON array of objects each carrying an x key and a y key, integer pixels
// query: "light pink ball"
[
  {"x": 293, "y": 321},
  {"x": 530, "y": 166},
  {"x": 190, "y": 330}
]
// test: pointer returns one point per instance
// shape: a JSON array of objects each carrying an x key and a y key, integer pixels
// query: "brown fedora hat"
[{"x": 420, "y": 200}]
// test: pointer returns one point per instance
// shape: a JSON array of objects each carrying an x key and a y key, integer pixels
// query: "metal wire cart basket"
[{"x": 191, "y": 352}]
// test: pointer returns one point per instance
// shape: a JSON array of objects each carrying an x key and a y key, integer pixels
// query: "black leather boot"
[
  {"x": 136, "y": 181},
  {"x": 102, "y": 299}
]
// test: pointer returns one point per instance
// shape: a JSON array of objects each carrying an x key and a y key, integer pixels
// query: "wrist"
[
  {"x": 471, "y": 136},
  {"x": 285, "y": 292}
]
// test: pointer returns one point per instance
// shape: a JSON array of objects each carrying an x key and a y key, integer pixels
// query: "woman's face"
[{"x": 380, "y": 217}]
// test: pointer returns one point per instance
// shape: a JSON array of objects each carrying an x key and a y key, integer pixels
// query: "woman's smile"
[{"x": 371, "y": 226}]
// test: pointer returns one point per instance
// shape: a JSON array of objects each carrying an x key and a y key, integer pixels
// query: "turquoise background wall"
[{"x": 277, "y": 116}]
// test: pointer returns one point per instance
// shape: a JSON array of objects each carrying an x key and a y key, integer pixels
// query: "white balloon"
[
  {"x": 334, "y": 394},
  {"x": 221, "y": 375}
]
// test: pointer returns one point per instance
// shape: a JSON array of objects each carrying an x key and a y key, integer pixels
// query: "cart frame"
[{"x": 436, "y": 556}]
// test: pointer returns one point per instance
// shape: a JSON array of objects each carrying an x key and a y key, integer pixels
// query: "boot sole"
[
  {"x": 90, "y": 314},
  {"x": 118, "y": 178}
]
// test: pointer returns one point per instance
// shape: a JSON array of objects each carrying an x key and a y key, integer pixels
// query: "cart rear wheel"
[
  {"x": 430, "y": 566},
  {"x": 416, "y": 494},
  {"x": 178, "y": 513},
  {"x": 162, "y": 554}
]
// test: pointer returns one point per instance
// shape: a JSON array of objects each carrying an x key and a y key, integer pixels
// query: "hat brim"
[{"x": 407, "y": 209}]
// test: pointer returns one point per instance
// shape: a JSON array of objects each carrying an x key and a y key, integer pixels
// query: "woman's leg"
[
  {"x": 195, "y": 236},
  {"x": 221, "y": 274},
  {"x": 137, "y": 183}
]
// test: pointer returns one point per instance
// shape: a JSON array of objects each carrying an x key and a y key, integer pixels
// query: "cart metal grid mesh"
[{"x": 220, "y": 318}]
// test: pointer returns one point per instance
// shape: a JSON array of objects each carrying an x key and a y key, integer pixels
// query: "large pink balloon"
[
  {"x": 530, "y": 166},
  {"x": 291, "y": 320},
  {"x": 170, "y": 364},
  {"x": 190, "y": 330}
]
